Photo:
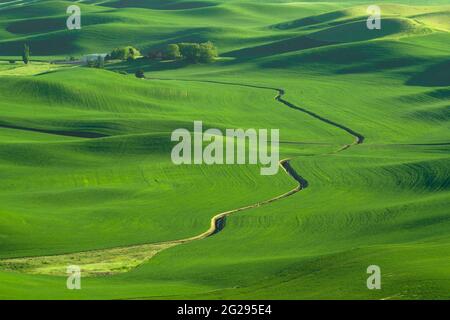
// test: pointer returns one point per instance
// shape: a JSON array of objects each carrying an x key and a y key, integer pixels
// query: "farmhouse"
[{"x": 92, "y": 57}]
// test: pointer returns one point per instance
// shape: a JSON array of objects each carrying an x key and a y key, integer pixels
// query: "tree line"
[
  {"x": 205, "y": 52},
  {"x": 191, "y": 52}
]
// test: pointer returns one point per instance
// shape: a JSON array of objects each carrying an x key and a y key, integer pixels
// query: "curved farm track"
[{"x": 217, "y": 222}]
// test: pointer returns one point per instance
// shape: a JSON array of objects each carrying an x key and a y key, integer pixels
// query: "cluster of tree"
[
  {"x": 124, "y": 53},
  {"x": 193, "y": 52},
  {"x": 198, "y": 52}
]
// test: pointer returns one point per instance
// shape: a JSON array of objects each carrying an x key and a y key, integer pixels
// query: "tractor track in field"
[{"x": 218, "y": 221}]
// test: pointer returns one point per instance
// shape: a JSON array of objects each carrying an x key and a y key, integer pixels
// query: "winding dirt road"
[
  {"x": 217, "y": 224},
  {"x": 218, "y": 221}
]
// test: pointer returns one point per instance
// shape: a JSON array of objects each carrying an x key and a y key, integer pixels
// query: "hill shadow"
[
  {"x": 60, "y": 43},
  {"x": 359, "y": 57},
  {"x": 309, "y": 21},
  {"x": 436, "y": 75},
  {"x": 278, "y": 47},
  {"x": 348, "y": 32},
  {"x": 146, "y": 65},
  {"x": 52, "y": 24}
]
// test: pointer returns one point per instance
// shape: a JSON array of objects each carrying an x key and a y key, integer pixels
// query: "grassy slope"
[
  {"x": 121, "y": 178},
  {"x": 316, "y": 244}
]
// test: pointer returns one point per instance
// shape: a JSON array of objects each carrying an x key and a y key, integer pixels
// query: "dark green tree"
[
  {"x": 139, "y": 74},
  {"x": 190, "y": 51},
  {"x": 125, "y": 53},
  {"x": 198, "y": 52},
  {"x": 26, "y": 54},
  {"x": 100, "y": 62},
  {"x": 208, "y": 52},
  {"x": 173, "y": 52}
]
